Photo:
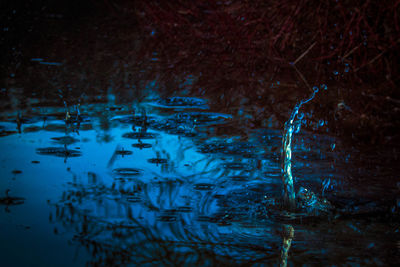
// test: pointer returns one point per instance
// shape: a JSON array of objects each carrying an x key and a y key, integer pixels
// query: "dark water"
[{"x": 173, "y": 182}]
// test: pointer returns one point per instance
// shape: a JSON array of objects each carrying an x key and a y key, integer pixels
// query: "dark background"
[{"x": 257, "y": 56}]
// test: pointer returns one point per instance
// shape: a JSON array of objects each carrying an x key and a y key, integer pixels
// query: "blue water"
[{"x": 179, "y": 186}]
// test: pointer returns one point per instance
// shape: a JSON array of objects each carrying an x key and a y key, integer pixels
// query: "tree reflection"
[{"x": 158, "y": 226}]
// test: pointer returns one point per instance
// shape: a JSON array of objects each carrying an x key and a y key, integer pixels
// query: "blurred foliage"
[{"x": 257, "y": 56}]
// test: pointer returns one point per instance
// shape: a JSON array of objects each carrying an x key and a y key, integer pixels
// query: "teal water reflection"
[{"x": 171, "y": 186}]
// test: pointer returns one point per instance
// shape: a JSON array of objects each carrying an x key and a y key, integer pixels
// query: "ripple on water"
[
  {"x": 203, "y": 186},
  {"x": 202, "y": 118},
  {"x": 167, "y": 218},
  {"x": 157, "y": 160},
  {"x": 237, "y": 148},
  {"x": 135, "y": 120},
  {"x": 58, "y": 152},
  {"x": 237, "y": 166},
  {"x": 9, "y": 200},
  {"x": 142, "y": 145},
  {"x": 140, "y": 135},
  {"x": 181, "y": 103},
  {"x": 127, "y": 172},
  {"x": 123, "y": 152},
  {"x": 65, "y": 140},
  {"x": 240, "y": 178}
]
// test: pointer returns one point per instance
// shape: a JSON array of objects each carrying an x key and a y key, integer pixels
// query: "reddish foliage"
[{"x": 239, "y": 48}]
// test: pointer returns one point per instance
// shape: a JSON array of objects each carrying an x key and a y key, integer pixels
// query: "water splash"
[{"x": 292, "y": 125}]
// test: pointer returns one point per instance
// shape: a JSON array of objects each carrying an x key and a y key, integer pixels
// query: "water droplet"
[
  {"x": 298, "y": 127},
  {"x": 321, "y": 122},
  {"x": 333, "y": 145},
  {"x": 324, "y": 87},
  {"x": 336, "y": 72}
]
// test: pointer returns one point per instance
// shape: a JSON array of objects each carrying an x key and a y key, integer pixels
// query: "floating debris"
[
  {"x": 16, "y": 172},
  {"x": 35, "y": 161}
]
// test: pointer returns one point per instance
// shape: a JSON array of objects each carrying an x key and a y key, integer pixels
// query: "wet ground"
[
  {"x": 174, "y": 182},
  {"x": 136, "y": 134}
]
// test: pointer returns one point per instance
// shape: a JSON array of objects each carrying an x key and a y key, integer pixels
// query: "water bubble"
[
  {"x": 336, "y": 72},
  {"x": 321, "y": 122},
  {"x": 301, "y": 115},
  {"x": 324, "y": 87}
]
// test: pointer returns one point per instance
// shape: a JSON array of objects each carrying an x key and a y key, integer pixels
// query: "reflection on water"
[{"x": 170, "y": 185}]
